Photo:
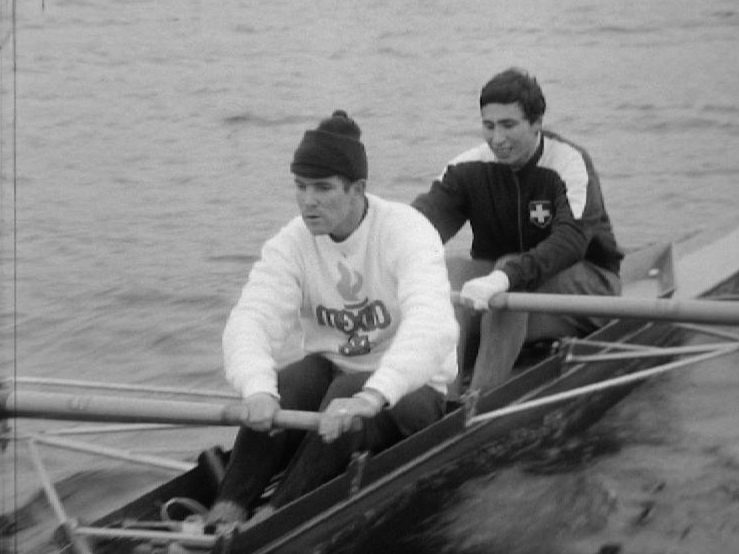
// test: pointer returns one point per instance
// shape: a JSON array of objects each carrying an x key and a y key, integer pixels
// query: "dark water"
[{"x": 148, "y": 157}]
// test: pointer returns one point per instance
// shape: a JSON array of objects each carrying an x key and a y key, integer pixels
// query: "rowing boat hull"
[
  {"x": 330, "y": 516},
  {"x": 398, "y": 473},
  {"x": 333, "y": 514}
]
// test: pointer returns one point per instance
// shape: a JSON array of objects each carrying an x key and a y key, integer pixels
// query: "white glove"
[{"x": 476, "y": 293}]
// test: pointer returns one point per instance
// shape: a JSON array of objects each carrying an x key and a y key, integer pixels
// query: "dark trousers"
[{"x": 310, "y": 384}]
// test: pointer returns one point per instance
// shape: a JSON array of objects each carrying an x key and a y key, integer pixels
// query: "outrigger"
[{"x": 664, "y": 298}]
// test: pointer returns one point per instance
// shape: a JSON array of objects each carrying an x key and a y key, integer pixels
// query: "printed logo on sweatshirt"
[
  {"x": 356, "y": 317},
  {"x": 540, "y": 213},
  {"x": 350, "y": 284}
]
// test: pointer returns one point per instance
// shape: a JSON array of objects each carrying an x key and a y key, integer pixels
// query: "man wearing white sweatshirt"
[{"x": 366, "y": 280}]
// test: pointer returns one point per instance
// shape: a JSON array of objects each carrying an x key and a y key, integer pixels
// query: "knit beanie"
[{"x": 333, "y": 148}]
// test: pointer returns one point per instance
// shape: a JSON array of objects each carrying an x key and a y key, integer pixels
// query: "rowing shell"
[{"x": 490, "y": 426}]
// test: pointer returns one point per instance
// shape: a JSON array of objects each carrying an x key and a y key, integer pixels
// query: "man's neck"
[
  {"x": 360, "y": 217},
  {"x": 530, "y": 156}
]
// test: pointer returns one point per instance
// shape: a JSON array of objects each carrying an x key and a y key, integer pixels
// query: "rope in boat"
[
  {"x": 122, "y": 428},
  {"x": 646, "y": 353},
  {"x": 69, "y": 526},
  {"x": 110, "y": 452},
  {"x": 205, "y": 541},
  {"x": 722, "y": 333},
  {"x": 51, "y": 494},
  {"x": 605, "y": 344},
  {"x": 601, "y": 386}
]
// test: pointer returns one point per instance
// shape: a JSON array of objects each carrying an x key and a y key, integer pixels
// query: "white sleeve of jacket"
[
  {"x": 425, "y": 344},
  {"x": 260, "y": 321}
]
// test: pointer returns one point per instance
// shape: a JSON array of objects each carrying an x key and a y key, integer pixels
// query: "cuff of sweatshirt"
[
  {"x": 373, "y": 397},
  {"x": 382, "y": 382},
  {"x": 260, "y": 383}
]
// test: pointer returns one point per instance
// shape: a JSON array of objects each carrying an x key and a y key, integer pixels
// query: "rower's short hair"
[{"x": 515, "y": 85}]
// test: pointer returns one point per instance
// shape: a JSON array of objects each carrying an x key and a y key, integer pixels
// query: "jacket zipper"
[{"x": 518, "y": 214}]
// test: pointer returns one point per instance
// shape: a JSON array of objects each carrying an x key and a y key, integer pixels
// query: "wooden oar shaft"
[
  {"x": 694, "y": 311},
  {"x": 659, "y": 309},
  {"x": 44, "y": 405}
]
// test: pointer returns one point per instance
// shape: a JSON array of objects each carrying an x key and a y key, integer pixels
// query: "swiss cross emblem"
[{"x": 540, "y": 212}]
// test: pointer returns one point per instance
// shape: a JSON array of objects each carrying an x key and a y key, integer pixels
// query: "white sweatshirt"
[{"x": 386, "y": 283}]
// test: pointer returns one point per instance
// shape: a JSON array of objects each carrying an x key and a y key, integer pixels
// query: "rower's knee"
[{"x": 502, "y": 335}]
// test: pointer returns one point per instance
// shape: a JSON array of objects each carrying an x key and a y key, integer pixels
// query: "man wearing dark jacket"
[{"x": 535, "y": 207}]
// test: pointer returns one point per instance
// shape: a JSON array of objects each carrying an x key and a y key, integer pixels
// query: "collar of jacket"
[{"x": 534, "y": 159}]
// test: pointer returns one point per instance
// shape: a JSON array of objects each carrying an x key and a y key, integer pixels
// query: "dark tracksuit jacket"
[{"x": 549, "y": 214}]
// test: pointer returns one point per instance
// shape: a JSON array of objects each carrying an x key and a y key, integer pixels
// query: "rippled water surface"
[{"x": 148, "y": 157}]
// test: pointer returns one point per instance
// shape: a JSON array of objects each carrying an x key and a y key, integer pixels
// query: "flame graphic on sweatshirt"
[{"x": 350, "y": 284}]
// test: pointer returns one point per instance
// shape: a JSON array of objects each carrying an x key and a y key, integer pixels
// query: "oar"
[
  {"x": 46, "y": 405},
  {"x": 659, "y": 309}
]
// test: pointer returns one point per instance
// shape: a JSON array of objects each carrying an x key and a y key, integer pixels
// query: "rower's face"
[
  {"x": 509, "y": 134},
  {"x": 326, "y": 206}
]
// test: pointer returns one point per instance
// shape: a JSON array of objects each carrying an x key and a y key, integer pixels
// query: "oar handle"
[
  {"x": 296, "y": 419},
  {"x": 236, "y": 414}
]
